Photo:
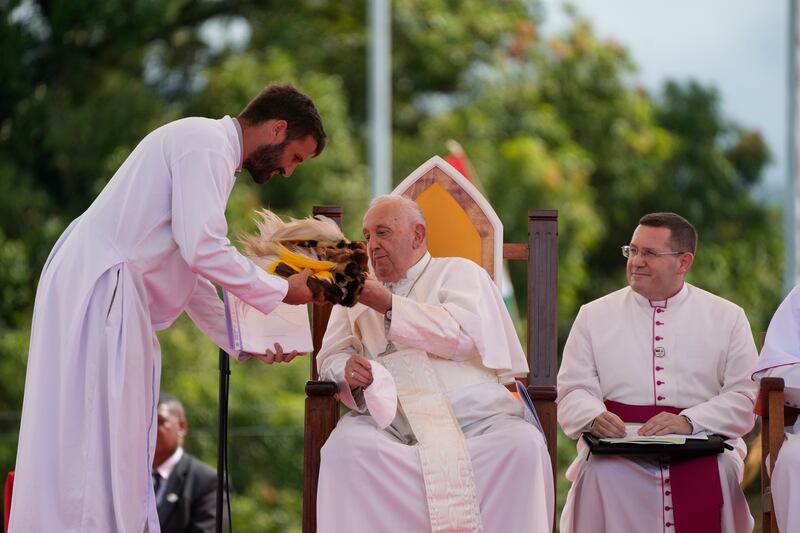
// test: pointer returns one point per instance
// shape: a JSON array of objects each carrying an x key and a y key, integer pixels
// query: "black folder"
[{"x": 691, "y": 448}]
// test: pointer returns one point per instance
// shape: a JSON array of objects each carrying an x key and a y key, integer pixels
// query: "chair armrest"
[
  {"x": 770, "y": 407},
  {"x": 321, "y": 388}
]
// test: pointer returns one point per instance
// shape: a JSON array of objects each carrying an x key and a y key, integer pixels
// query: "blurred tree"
[
  {"x": 525, "y": 158},
  {"x": 558, "y": 124},
  {"x": 710, "y": 177}
]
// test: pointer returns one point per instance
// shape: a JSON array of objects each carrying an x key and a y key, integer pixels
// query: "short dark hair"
[
  {"x": 683, "y": 236},
  {"x": 173, "y": 404},
  {"x": 284, "y": 102}
]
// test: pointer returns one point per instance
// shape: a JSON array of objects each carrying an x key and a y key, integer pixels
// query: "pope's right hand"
[
  {"x": 607, "y": 424},
  {"x": 358, "y": 372}
]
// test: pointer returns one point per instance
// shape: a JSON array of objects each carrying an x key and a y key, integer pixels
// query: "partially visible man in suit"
[{"x": 186, "y": 488}]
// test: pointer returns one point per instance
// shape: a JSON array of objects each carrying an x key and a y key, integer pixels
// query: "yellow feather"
[
  {"x": 322, "y": 269},
  {"x": 324, "y": 276}
]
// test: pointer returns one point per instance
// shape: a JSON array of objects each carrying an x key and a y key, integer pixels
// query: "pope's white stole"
[{"x": 446, "y": 465}]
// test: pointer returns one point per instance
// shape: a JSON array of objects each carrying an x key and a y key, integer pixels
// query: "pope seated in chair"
[{"x": 434, "y": 441}]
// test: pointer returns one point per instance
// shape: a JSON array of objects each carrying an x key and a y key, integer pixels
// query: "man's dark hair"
[
  {"x": 284, "y": 102},
  {"x": 683, "y": 236}
]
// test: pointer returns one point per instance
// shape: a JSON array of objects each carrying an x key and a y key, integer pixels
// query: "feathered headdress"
[{"x": 339, "y": 265}]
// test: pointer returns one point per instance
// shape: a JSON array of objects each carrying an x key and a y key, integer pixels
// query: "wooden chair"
[
  {"x": 446, "y": 197},
  {"x": 774, "y": 417}
]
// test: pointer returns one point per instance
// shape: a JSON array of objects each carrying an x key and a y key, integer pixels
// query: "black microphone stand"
[{"x": 222, "y": 443}]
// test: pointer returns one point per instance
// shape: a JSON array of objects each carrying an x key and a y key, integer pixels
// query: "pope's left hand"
[
  {"x": 277, "y": 356},
  {"x": 664, "y": 423},
  {"x": 376, "y": 296}
]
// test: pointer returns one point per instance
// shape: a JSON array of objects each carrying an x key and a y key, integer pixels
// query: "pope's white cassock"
[
  {"x": 370, "y": 480},
  {"x": 780, "y": 357},
  {"x": 147, "y": 249},
  {"x": 695, "y": 352}
]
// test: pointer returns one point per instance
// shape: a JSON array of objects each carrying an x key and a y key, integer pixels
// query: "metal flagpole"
[
  {"x": 380, "y": 94},
  {"x": 792, "y": 196}
]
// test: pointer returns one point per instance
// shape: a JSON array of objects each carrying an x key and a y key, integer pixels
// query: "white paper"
[
  {"x": 632, "y": 437},
  {"x": 250, "y": 330}
]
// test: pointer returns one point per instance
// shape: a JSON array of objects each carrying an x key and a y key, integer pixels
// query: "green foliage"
[
  {"x": 337, "y": 178},
  {"x": 547, "y": 123}
]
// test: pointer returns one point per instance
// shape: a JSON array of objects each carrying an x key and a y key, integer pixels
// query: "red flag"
[
  {"x": 458, "y": 159},
  {"x": 459, "y": 162}
]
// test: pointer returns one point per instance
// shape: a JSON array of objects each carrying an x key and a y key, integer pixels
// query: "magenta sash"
[{"x": 695, "y": 485}]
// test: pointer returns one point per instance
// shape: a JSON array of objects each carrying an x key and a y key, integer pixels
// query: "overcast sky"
[{"x": 739, "y": 46}]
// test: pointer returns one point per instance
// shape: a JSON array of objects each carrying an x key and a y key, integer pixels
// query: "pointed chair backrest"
[{"x": 460, "y": 221}]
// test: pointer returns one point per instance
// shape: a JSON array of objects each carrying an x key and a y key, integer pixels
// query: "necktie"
[{"x": 156, "y": 482}]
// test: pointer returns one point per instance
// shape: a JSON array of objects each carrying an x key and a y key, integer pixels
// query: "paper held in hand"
[{"x": 250, "y": 330}]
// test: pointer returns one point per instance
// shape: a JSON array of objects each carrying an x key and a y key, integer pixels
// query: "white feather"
[{"x": 271, "y": 229}]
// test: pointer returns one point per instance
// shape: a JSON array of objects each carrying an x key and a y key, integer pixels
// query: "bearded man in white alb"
[
  {"x": 780, "y": 357},
  {"x": 456, "y": 454},
  {"x": 148, "y": 248},
  {"x": 675, "y": 358}
]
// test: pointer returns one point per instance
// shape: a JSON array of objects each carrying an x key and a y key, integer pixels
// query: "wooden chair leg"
[{"x": 321, "y": 413}]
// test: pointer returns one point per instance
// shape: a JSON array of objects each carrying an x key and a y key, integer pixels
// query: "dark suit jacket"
[{"x": 189, "y": 503}]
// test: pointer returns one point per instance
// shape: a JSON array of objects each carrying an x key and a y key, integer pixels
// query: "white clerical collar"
[
  {"x": 165, "y": 469},
  {"x": 410, "y": 277},
  {"x": 673, "y": 300},
  {"x": 241, "y": 143}
]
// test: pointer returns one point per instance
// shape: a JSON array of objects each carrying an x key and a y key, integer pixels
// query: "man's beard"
[{"x": 265, "y": 161}]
